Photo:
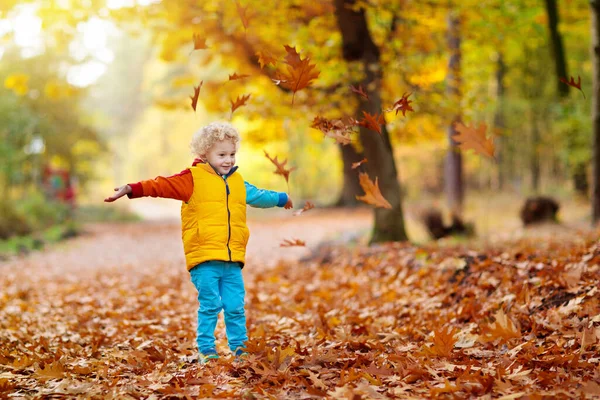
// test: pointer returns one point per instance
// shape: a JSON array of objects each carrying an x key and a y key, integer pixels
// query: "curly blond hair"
[{"x": 207, "y": 136}]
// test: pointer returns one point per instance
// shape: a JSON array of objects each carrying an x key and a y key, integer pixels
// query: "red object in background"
[{"x": 58, "y": 185}]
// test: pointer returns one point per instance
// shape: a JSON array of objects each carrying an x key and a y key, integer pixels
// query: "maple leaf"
[
  {"x": 573, "y": 84},
  {"x": 239, "y": 101},
  {"x": 243, "y": 13},
  {"x": 372, "y": 121},
  {"x": 470, "y": 138},
  {"x": 402, "y": 105},
  {"x": 235, "y": 76},
  {"x": 360, "y": 91},
  {"x": 292, "y": 243},
  {"x": 307, "y": 206},
  {"x": 195, "y": 96},
  {"x": 280, "y": 167},
  {"x": 266, "y": 58},
  {"x": 334, "y": 128},
  {"x": 299, "y": 73},
  {"x": 359, "y": 163},
  {"x": 199, "y": 42},
  {"x": 372, "y": 194}
]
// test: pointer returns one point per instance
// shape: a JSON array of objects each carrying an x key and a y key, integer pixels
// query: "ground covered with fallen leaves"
[{"x": 112, "y": 315}]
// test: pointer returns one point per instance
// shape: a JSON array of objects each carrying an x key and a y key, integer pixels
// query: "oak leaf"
[
  {"x": 239, "y": 101},
  {"x": 372, "y": 195},
  {"x": 573, "y": 84},
  {"x": 299, "y": 73},
  {"x": 359, "y": 163},
  {"x": 471, "y": 138},
  {"x": 292, "y": 243},
  {"x": 281, "y": 170},
  {"x": 360, "y": 91},
  {"x": 194, "y": 97},
  {"x": 51, "y": 371},
  {"x": 199, "y": 42},
  {"x": 403, "y": 104},
  {"x": 503, "y": 328},
  {"x": 243, "y": 13},
  {"x": 266, "y": 58},
  {"x": 307, "y": 206},
  {"x": 235, "y": 76},
  {"x": 334, "y": 128},
  {"x": 372, "y": 121},
  {"x": 443, "y": 341}
]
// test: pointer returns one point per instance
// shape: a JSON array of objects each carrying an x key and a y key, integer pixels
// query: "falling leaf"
[
  {"x": 372, "y": 194},
  {"x": 292, "y": 243},
  {"x": 299, "y": 73},
  {"x": 469, "y": 138},
  {"x": 199, "y": 42},
  {"x": 307, "y": 206},
  {"x": 265, "y": 58},
  {"x": 235, "y": 76},
  {"x": 239, "y": 102},
  {"x": 573, "y": 84},
  {"x": 359, "y": 163},
  {"x": 360, "y": 91},
  {"x": 402, "y": 105},
  {"x": 334, "y": 128},
  {"x": 243, "y": 13},
  {"x": 372, "y": 121},
  {"x": 195, "y": 96},
  {"x": 281, "y": 170}
]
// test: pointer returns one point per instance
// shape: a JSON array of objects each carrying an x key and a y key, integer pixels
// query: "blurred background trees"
[{"x": 101, "y": 88}]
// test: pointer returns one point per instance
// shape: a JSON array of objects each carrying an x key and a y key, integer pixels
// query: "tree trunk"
[
  {"x": 351, "y": 187},
  {"x": 359, "y": 46},
  {"x": 454, "y": 169},
  {"x": 534, "y": 159},
  {"x": 595, "y": 11},
  {"x": 557, "y": 48},
  {"x": 499, "y": 120}
]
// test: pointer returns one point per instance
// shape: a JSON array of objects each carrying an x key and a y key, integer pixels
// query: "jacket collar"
[{"x": 209, "y": 168}]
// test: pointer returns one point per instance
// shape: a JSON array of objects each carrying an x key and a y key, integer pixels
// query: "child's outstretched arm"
[
  {"x": 178, "y": 187},
  {"x": 261, "y": 198}
]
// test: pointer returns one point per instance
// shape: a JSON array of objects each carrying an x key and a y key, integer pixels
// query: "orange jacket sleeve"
[{"x": 179, "y": 187}]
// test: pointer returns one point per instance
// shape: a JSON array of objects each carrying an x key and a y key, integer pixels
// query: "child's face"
[{"x": 222, "y": 156}]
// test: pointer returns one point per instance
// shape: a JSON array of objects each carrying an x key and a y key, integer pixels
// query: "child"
[{"x": 214, "y": 232}]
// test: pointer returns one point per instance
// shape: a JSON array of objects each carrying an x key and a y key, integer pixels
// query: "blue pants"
[{"x": 220, "y": 286}]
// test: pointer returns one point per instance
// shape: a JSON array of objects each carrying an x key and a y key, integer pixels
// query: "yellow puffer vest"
[{"x": 213, "y": 221}]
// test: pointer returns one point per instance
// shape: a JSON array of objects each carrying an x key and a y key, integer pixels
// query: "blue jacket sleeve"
[{"x": 261, "y": 198}]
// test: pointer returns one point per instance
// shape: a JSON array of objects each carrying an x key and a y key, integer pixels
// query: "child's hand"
[
  {"x": 289, "y": 203},
  {"x": 121, "y": 191}
]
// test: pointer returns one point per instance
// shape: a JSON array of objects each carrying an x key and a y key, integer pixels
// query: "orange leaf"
[
  {"x": 292, "y": 243},
  {"x": 51, "y": 371},
  {"x": 243, "y": 13},
  {"x": 333, "y": 128},
  {"x": 199, "y": 42},
  {"x": 265, "y": 58},
  {"x": 372, "y": 121},
  {"x": 358, "y": 164},
  {"x": 474, "y": 139},
  {"x": 443, "y": 341},
  {"x": 235, "y": 76},
  {"x": 503, "y": 328},
  {"x": 402, "y": 105},
  {"x": 280, "y": 167},
  {"x": 307, "y": 206},
  {"x": 372, "y": 194},
  {"x": 299, "y": 73},
  {"x": 195, "y": 96},
  {"x": 360, "y": 91},
  {"x": 573, "y": 84},
  {"x": 239, "y": 101}
]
